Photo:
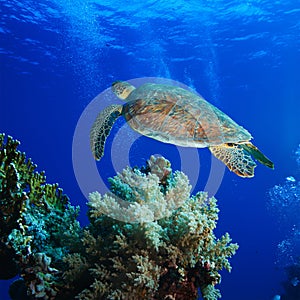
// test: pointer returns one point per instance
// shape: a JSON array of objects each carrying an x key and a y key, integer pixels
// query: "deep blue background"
[{"x": 56, "y": 56}]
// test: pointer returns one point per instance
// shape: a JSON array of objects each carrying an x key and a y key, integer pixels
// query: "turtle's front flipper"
[
  {"x": 254, "y": 151},
  {"x": 101, "y": 129},
  {"x": 235, "y": 158}
]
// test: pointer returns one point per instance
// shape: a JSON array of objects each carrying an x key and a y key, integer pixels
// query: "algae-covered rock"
[{"x": 147, "y": 239}]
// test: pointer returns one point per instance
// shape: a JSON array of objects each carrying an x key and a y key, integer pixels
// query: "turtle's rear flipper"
[
  {"x": 101, "y": 129},
  {"x": 235, "y": 158},
  {"x": 254, "y": 151}
]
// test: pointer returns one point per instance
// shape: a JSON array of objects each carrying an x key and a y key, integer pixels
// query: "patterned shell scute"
[{"x": 174, "y": 115}]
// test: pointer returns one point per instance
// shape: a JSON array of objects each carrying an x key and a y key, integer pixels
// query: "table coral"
[{"x": 166, "y": 249}]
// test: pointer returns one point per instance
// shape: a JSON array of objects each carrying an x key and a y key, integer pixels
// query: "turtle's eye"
[{"x": 230, "y": 144}]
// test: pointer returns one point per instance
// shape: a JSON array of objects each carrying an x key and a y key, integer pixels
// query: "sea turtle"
[{"x": 177, "y": 116}]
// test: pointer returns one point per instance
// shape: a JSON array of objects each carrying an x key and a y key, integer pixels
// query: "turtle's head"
[{"x": 122, "y": 89}]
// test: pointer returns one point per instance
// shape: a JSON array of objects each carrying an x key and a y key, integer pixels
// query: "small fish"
[{"x": 276, "y": 297}]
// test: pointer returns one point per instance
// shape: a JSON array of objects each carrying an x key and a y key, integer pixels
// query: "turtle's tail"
[{"x": 255, "y": 152}]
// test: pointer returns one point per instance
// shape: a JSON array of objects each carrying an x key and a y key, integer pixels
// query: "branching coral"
[
  {"x": 38, "y": 226},
  {"x": 148, "y": 199},
  {"x": 166, "y": 249},
  {"x": 168, "y": 255}
]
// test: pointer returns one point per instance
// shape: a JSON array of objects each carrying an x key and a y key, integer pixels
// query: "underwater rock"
[{"x": 166, "y": 249}]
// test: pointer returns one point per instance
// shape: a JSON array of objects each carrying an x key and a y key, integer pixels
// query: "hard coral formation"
[
  {"x": 37, "y": 223},
  {"x": 149, "y": 195},
  {"x": 166, "y": 249}
]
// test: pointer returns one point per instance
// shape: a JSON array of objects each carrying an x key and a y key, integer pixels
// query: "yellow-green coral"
[
  {"x": 19, "y": 182},
  {"x": 36, "y": 221}
]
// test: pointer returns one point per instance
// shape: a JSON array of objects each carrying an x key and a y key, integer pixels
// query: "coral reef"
[
  {"x": 147, "y": 239},
  {"x": 165, "y": 250},
  {"x": 37, "y": 224},
  {"x": 146, "y": 196}
]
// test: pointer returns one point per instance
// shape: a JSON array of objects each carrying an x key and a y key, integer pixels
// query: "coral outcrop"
[
  {"x": 38, "y": 226},
  {"x": 147, "y": 239}
]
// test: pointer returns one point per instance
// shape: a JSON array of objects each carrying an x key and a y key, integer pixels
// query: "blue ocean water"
[{"x": 242, "y": 56}]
